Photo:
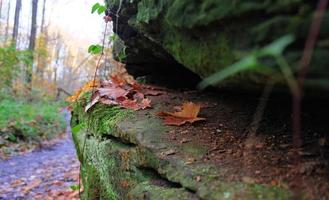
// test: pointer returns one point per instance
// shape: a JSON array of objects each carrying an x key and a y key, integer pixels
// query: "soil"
[{"x": 266, "y": 154}]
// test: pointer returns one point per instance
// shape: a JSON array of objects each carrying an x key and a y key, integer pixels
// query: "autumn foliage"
[
  {"x": 118, "y": 91},
  {"x": 188, "y": 114},
  {"x": 122, "y": 90},
  {"x": 85, "y": 88}
]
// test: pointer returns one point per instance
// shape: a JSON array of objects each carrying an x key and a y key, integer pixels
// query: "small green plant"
[
  {"x": 251, "y": 62},
  {"x": 76, "y": 129},
  {"x": 74, "y": 187},
  {"x": 97, "y": 7},
  {"x": 95, "y": 49},
  {"x": 114, "y": 37}
]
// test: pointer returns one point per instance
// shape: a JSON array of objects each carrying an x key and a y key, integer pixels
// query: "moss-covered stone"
[
  {"x": 131, "y": 162},
  {"x": 207, "y": 36},
  {"x": 101, "y": 119}
]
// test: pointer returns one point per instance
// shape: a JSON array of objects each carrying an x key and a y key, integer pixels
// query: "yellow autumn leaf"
[{"x": 85, "y": 88}]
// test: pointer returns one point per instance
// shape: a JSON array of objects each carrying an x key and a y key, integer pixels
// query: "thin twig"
[
  {"x": 93, "y": 91},
  {"x": 303, "y": 68},
  {"x": 100, "y": 58},
  {"x": 297, "y": 97}
]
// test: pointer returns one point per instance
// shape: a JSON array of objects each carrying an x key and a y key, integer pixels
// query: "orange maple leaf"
[
  {"x": 189, "y": 113},
  {"x": 136, "y": 104},
  {"x": 85, "y": 88}
]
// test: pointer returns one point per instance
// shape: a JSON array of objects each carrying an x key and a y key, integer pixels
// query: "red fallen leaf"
[
  {"x": 136, "y": 86},
  {"x": 138, "y": 95},
  {"x": 131, "y": 104},
  {"x": 189, "y": 113},
  {"x": 112, "y": 92},
  {"x": 146, "y": 103},
  {"x": 118, "y": 81},
  {"x": 135, "y": 104},
  {"x": 120, "y": 99},
  {"x": 108, "y": 101}
]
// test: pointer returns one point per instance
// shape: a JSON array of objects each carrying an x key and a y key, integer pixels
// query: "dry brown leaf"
[
  {"x": 35, "y": 183},
  {"x": 135, "y": 104},
  {"x": 112, "y": 92},
  {"x": 131, "y": 104},
  {"x": 189, "y": 113},
  {"x": 108, "y": 101},
  {"x": 16, "y": 183},
  {"x": 145, "y": 103},
  {"x": 121, "y": 90}
]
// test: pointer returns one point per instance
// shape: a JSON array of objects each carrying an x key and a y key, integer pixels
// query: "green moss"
[
  {"x": 99, "y": 120},
  {"x": 112, "y": 169},
  {"x": 207, "y": 36},
  {"x": 198, "y": 53},
  {"x": 263, "y": 192},
  {"x": 98, "y": 169},
  {"x": 189, "y": 14},
  {"x": 158, "y": 193},
  {"x": 149, "y": 9},
  {"x": 91, "y": 182}
]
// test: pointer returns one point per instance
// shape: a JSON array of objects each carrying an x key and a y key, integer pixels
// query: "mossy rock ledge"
[
  {"x": 133, "y": 159},
  {"x": 207, "y": 36}
]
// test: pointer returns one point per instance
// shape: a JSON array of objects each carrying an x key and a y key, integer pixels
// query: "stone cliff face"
[
  {"x": 126, "y": 155},
  {"x": 207, "y": 36}
]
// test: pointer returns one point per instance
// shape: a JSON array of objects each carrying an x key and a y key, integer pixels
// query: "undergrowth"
[{"x": 29, "y": 121}]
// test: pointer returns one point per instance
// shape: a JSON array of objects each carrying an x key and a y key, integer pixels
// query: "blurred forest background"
[{"x": 43, "y": 59}]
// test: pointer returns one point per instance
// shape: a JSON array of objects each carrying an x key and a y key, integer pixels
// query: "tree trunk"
[
  {"x": 7, "y": 25},
  {"x": 16, "y": 22},
  {"x": 43, "y": 16},
  {"x": 32, "y": 41},
  {"x": 58, "y": 49},
  {"x": 33, "y": 25},
  {"x": 1, "y": 2},
  {"x": 41, "y": 59}
]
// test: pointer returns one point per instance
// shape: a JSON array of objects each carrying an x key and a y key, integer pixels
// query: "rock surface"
[
  {"x": 133, "y": 159},
  {"x": 207, "y": 36}
]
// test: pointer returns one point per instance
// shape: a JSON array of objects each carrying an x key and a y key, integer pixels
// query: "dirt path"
[{"x": 44, "y": 174}]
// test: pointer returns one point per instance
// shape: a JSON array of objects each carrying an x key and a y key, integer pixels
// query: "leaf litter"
[
  {"x": 126, "y": 94},
  {"x": 188, "y": 114}
]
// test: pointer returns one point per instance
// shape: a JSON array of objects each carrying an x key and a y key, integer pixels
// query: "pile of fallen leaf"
[{"x": 122, "y": 90}]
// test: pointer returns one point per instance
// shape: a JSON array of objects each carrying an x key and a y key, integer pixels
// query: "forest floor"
[
  {"x": 44, "y": 174},
  {"x": 267, "y": 157}
]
